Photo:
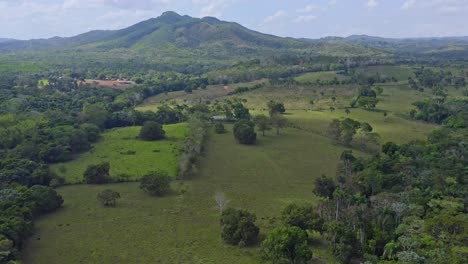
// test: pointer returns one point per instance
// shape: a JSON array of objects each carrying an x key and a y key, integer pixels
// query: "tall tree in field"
[
  {"x": 263, "y": 123},
  {"x": 278, "y": 122}
]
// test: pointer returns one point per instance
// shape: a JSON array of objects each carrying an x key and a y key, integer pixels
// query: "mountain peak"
[{"x": 170, "y": 14}]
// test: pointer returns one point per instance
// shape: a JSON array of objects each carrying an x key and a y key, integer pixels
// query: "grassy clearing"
[
  {"x": 399, "y": 72},
  {"x": 116, "y": 147},
  {"x": 312, "y": 77},
  {"x": 184, "y": 228},
  {"x": 200, "y": 95}
]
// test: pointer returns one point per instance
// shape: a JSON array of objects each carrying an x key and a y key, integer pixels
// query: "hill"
[
  {"x": 174, "y": 38},
  {"x": 448, "y": 47}
]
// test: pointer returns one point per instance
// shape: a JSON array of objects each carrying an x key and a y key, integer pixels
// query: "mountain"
[
  {"x": 172, "y": 35},
  {"x": 2, "y": 40}
]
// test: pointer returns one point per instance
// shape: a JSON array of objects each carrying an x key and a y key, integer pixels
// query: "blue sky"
[{"x": 24, "y": 19}]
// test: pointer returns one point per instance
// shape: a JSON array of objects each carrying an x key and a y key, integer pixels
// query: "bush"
[
  {"x": 46, "y": 199},
  {"x": 108, "y": 197},
  {"x": 239, "y": 227},
  {"x": 152, "y": 131},
  {"x": 244, "y": 132},
  {"x": 156, "y": 183},
  {"x": 97, "y": 174},
  {"x": 219, "y": 128}
]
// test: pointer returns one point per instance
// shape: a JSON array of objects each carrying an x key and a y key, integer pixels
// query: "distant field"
[
  {"x": 312, "y": 77},
  {"x": 212, "y": 92},
  {"x": 184, "y": 228},
  {"x": 115, "y": 147},
  {"x": 401, "y": 73},
  {"x": 107, "y": 83}
]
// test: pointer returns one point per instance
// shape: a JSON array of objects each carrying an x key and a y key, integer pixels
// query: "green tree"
[
  {"x": 275, "y": 108},
  {"x": 287, "y": 244},
  {"x": 45, "y": 199},
  {"x": 219, "y": 128},
  {"x": 324, "y": 187},
  {"x": 279, "y": 122},
  {"x": 108, "y": 197},
  {"x": 367, "y": 102},
  {"x": 241, "y": 112},
  {"x": 244, "y": 132},
  {"x": 302, "y": 216},
  {"x": 97, "y": 174},
  {"x": 156, "y": 183},
  {"x": 152, "y": 131},
  {"x": 263, "y": 123},
  {"x": 238, "y": 227}
]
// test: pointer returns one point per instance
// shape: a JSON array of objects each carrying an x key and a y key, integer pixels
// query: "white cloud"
[
  {"x": 213, "y": 7},
  {"x": 371, "y": 4},
  {"x": 304, "y": 19},
  {"x": 408, "y": 4},
  {"x": 279, "y": 14},
  {"x": 309, "y": 8}
]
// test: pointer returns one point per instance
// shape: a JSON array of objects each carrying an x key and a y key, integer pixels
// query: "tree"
[
  {"x": 238, "y": 227},
  {"x": 45, "y": 198},
  {"x": 244, "y": 132},
  {"x": 152, "y": 131},
  {"x": 219, "y": 128},
  {"x": 97, "y": 174},
  {"x": 95, "y": 114},
  {"x": 221, "y": 201},
  {"x": 367, "y": 102},
  {"x": 108, "y": 197},
  {"x": 347, "y": 111},
  {"x": 156, "y": 183},
  {"x": 241, "y": 112},
  {"x": 287, "y": 244},
  {"x": 302, "y": 216},
  {"x": 275, "y": 108},
  {"x": 324, "y": 187},
  {"x": 263, "y": 123},
  {"x": 378, "y": 90},
  {"x": 278, "y": 122}
]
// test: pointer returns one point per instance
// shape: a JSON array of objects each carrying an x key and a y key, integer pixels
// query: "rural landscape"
[{"x": 197, "y": 140}]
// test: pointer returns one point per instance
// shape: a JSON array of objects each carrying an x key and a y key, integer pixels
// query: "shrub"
[
  {"x": 108, "y": 197},
  {"x": 97, "y": 174},
  {"x": 238, "y": 227},
  {"x": 45, "y": 199},
  {"x": 219, "y": 128},
  {"x": 244, "y": 132},
  {"x": 156, "y": 183},
  {"x": 152, "y": 131}
]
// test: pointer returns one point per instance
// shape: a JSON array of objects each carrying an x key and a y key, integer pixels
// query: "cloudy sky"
[{"x": 25, "y": 19}]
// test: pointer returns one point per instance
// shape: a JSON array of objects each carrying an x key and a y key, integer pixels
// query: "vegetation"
[
  {"x": 97, "y": 174},
  {"x": 287, "y": 244},
  {"x": 108, "y": 197},
  {"x": 244, "y": 132},
  {"x": 152, "y": 131},
  {"x": 156, "y": 183},
  {"x": 238, "y": 227}
]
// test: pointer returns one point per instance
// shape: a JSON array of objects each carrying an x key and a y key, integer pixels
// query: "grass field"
[
  {"x": 184, "y": 228},
  {"x": 399, "y": 72},
  {"x": 116, "y": 146}
]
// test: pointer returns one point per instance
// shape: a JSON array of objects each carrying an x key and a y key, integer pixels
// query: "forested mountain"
[{"x": 174, "y": 36}]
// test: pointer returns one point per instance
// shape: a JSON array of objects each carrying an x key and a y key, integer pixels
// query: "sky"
[{"x": 26, "y": 19}]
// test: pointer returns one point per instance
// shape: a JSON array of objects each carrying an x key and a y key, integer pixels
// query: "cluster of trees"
[
  {"x": 426, "y": 78},
  {"x": 440, "y": 110},
  {"x": 19, "y": 206},
  {"x": 244, "y": 89},
  {"x": 406, "y": 205},
  {"x": 350, "y": 132},
  {"x": 367, "y": 97}
]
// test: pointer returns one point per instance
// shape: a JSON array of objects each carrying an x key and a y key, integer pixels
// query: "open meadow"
[
  {"x": 129, "y": 157},
  {"x": 184, "y": 227}
]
